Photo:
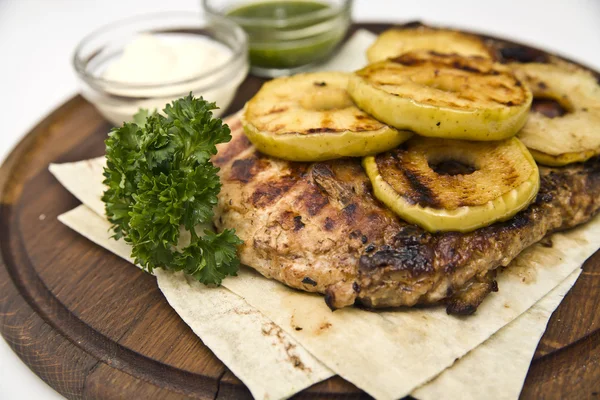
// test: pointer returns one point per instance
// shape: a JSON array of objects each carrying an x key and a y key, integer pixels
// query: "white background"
[{"x": 37, "y": 39}]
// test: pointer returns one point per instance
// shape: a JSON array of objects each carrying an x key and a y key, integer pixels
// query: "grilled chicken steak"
[{"x": 318, "y": 228}]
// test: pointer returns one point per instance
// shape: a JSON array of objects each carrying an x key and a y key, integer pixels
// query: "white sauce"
[
  {"x": 172, "y": 62},
  {"x": 149, "y": 59}
]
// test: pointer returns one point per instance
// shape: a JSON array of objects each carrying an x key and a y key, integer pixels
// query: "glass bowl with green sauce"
[{"x": 287, "y": 36}]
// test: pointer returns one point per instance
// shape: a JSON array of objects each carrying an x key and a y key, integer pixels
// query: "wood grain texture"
[{"x": 92, "y": 326}]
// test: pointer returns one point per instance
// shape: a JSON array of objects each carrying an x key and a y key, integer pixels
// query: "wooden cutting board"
[{"x": 93, "y": 326}]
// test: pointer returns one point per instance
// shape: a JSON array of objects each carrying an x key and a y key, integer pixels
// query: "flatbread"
[
  {"x": 269, "y": 362},
  {"x": 497, "y": 368},
  {"x": 501, "y": 362},
  {"x": 533, "y": 274},
  {"x": 374, "y": 349}
]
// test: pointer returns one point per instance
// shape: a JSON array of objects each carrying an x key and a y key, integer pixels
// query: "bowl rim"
[
  {"x": 329, "y": 12},
  {"x": 239, "y": 52}
]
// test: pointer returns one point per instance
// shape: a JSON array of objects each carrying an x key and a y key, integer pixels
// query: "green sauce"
[
  {"x": 277, "y": 9},
  {"x": 289, "y": 43}
]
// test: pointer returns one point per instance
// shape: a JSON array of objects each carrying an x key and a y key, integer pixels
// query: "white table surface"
[{"x": 37, "y": 39}]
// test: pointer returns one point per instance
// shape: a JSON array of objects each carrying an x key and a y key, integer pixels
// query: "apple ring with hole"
[
  {"x": 446, "y": 96},
  {"x": 311, "y": 117},
  {"x": 454, "y": 185},
  {"x": 564, "y": 123},
  {"x": 397, "y": 41}
]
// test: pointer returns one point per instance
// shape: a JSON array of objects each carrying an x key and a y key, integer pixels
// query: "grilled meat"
[{"x": 318, "y": 228}]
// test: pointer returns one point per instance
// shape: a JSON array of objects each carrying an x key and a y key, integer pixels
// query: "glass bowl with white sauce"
[{"x": 151, "y": 60}]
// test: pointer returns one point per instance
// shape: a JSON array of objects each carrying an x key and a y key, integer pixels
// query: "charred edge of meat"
[
  {"x": 330, "y": 300},
  {"x": 411, "y": 235},
  {"x": 416, "y": 259},
  {"x": 468, "y": 299},
  {"x": 308, "y": 281}
]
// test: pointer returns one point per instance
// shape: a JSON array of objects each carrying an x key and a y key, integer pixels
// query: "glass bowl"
[
  {"x": 118, "y": 101},
  {"x": 288, "y": 36}
]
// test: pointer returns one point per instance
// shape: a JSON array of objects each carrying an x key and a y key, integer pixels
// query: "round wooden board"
[{"x": 92, "y": 326}]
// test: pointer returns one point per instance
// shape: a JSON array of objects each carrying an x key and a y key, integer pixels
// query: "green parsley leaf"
[{"x": 162, "y": 188}]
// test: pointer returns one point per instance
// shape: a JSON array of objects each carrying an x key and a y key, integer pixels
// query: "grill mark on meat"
[
  {"x": 269, "y": 192},
  {"x": 329, "y": 224},
  {"x": 238, "y": 144},
  {"x": 416, "y": 259},
  {"x": 313, "y": 200},
  {"x": 298, "y": 224},
  {"x": 349, "y": 212},
  {"x": 246, "y": 169}
]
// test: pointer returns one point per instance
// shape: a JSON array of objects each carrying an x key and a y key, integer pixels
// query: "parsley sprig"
[{"x": 162, "y": 188}]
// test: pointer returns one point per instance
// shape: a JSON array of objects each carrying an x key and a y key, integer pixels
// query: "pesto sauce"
[
  {"x": 277, "y": 9},
  {"x": 266, "y": 52}
]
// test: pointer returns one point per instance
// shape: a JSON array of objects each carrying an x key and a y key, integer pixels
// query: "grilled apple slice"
[
  {"x": 446, "y": 96},
  {"x": 395, "y": 42},
  {"x": 563, "y": 159},
  {"x": 566, "y": 137},
  {"x": 454, "y": 185},
  {"x": 311, "y": 117}
]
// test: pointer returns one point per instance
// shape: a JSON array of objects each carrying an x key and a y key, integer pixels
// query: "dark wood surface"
[{"x": 92, "y": 326}]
